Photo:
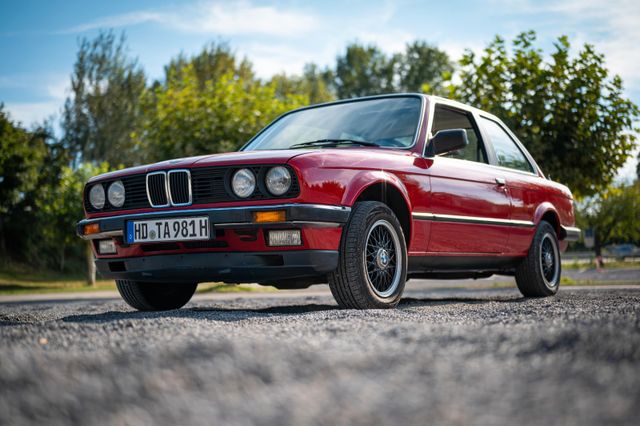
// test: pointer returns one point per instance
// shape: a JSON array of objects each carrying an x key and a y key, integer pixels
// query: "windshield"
[{"x": 385, "y": 122}]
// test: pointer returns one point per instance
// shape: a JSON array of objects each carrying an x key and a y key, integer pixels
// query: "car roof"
[{"x": 431, "y": 98}]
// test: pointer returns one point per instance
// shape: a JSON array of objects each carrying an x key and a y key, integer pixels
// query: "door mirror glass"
[{"x": 447, "y": 140}]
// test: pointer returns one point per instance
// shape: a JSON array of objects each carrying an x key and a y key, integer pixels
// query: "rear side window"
[
  {"x": 507, "y": 152},
  {"x": 446, "y": 119}
]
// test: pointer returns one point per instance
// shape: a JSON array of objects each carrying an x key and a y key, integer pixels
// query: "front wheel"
[
  {"x": 155, "y": 296},
  {"x": 538, "y": 275},
  {"x": 372, "y": 268}
]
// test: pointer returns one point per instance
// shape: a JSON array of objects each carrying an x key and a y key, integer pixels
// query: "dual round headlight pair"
[
  {"x": 277, "y": 181},
  {"x": 115, "y": 194}
]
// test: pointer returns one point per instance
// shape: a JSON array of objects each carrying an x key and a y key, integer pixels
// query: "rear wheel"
[
  {"x": 155, "y": 296},
  {"x": 538, "y": 275},
  {"x": 372, "y": 269}
]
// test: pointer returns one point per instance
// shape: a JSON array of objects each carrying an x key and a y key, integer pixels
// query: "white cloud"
[
  {"x": 388, "y": 41},
  {"x": 270, "y": 59},
  {"x": 30, "y": 113},
  {"x": 612, "y": 27},
  {"x": 208, "y": 17},
  {"x": 116, "y": 21},
  {"x": 51, "y": 89}
]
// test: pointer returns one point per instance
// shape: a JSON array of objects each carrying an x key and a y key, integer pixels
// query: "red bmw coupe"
[{"x": 363, "y": 194}]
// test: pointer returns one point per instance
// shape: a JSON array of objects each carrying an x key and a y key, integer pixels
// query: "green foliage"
[
  {"x": 313, "y": 83},
  {"x": 105, "y": 104},
  {"x": 23, "y": 156},
  {"x": 424, "y": 68},
  {"x": 213, "y": 61},
  {"x": 613, "y": 214},
  {"x": 59, "y": 207},
  {"x": 366, "y": 70},
  {"x": 185, "y": 117},
  {"x": 570, "y": 115}
]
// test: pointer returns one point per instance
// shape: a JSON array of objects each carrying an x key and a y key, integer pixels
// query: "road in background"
[
  {"x": 618, "y": 276},
  {"x": 445, "y": 356}
]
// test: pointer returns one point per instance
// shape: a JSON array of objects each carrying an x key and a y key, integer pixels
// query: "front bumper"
[
  {"x": 256, "y": 267},
  {"x": 241, "y": 253},
  {"x": 296, "y": 214}
]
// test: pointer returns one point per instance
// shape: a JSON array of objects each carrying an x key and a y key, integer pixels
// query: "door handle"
[{"x": 500, "y": 182}]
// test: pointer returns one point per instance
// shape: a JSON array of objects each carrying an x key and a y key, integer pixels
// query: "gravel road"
[{"x": 455, "y": 357}]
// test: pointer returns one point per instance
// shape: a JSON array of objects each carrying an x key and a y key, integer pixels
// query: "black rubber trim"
[
  {"x": 235, "y": 267},
  {"x": 470, "y": 263},
  {"x": 293, "y": 212},
  {"x": 569, "y": 233}
]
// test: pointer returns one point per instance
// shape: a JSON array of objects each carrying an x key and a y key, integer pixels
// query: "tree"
[
  {"x": 104, "y": 108},
  {"x": 424, "y": 68},
  {"x": 366, "y": 70},
  {"x": 363, "y": 71},
  {"x": 22, "y": 156},
  {"x": 612, "y": 214},
  {"x": 213, "y": 61},
  {"x": 184, "y": 117},
  {"x": 59, "y": 207},
  {"x": 569, "y": 114},
  {"x": 313, "y": 83}
]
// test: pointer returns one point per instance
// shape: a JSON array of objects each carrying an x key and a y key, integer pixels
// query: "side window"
[
  {"x": 507, "y": 152},
  {"x": 445, "y": 119}
]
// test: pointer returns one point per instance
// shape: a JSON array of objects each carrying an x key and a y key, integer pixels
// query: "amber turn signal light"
[
  {"x": 92, "y": 228},
  {"x": 269, "y": 216}
]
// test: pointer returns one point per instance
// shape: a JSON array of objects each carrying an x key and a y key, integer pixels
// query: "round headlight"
[
  {"x": 96, "y": 196},
  {"x": 243, "y": 183},
  {"x": 116, "y": 194},
  {"x": 278, "y": 180}
]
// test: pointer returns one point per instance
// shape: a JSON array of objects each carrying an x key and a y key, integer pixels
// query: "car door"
[
  {"x": 522, "y": 181},
  {"x": 468, "y": 205}
]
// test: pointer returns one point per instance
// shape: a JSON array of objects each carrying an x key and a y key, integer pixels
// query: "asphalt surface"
[{"x": 446, "y": 356}]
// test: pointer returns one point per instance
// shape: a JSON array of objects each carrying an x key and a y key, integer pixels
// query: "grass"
[
  {"x": 22, "y": 279},
  {"x": 568, "y": 282},
  {"x": 633, "y": 263}
]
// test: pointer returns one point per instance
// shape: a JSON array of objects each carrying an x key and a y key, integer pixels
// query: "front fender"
[{"x": 366, "y": 178}]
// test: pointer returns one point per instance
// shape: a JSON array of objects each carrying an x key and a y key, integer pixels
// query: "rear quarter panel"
[{"x": 532, "y": 197}]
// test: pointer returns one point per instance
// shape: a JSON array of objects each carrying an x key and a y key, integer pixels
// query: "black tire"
[
  {"x": 155, "y": 296},
  {"x": 360, "y": 279},
  {"x": 538, "y": 275}
]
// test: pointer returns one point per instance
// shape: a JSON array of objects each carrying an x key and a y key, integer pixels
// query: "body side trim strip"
[
  {"x": 211, "y": 209},
  {"x": 471, "y": 219}
]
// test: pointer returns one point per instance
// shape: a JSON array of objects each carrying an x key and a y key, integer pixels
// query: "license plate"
[{"x": 182, "y": 229}]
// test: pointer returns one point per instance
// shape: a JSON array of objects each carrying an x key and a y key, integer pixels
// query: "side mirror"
[{"x": 446, "y": 141}]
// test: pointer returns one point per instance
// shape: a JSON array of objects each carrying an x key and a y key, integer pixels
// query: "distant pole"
[{"x": 91, "y": 266}]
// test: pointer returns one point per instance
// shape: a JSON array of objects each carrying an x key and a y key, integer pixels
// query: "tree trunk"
[
  {"x": 3, "y": 244},
  {"x": 91, "y": 266},
  {"x": 62, "y": 259},
  {"x": 597, "y": 248}
]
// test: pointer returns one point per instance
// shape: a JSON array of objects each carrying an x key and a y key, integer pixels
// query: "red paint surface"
[{"x": 432, "y": 185}]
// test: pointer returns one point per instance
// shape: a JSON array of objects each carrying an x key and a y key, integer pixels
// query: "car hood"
[{"x": 223, "y": 159}]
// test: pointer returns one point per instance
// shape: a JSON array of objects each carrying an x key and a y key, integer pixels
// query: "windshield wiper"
[{"x": 331, "y": 142}]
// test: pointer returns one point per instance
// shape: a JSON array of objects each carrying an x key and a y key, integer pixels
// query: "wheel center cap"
[
  {"x": 548, "y": 260},
  {"x": 382, "y": 258}
]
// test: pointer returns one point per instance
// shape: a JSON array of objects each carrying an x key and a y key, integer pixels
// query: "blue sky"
[{"x": 39, "y": 39}]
